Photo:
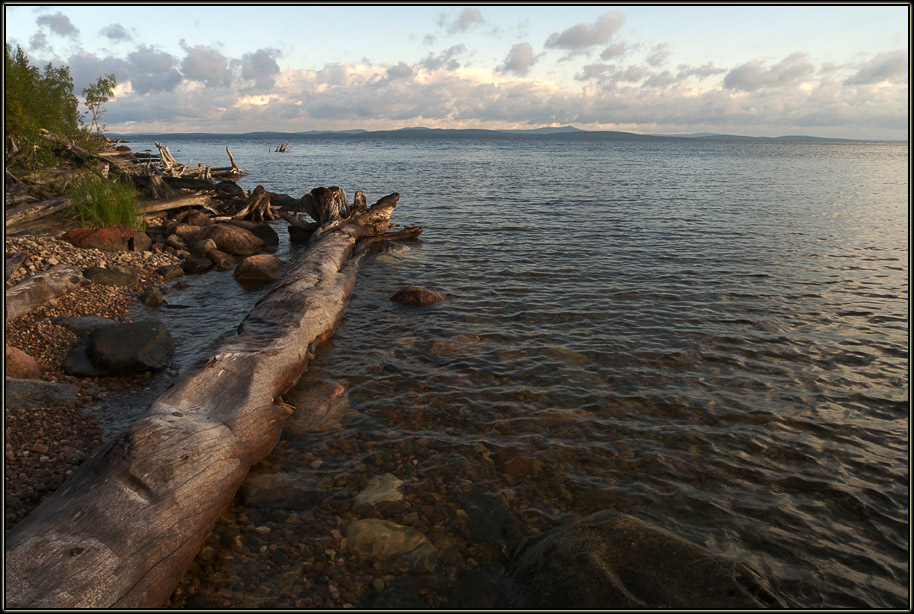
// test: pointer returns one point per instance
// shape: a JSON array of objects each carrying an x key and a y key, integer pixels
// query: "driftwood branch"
[{"x": 123, "y": 528}]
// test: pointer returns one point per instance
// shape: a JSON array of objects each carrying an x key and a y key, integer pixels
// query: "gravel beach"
[{"x": 43, "y": 446}]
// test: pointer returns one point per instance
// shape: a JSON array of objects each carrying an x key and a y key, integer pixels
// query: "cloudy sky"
[{"x": 839, "y": 71}]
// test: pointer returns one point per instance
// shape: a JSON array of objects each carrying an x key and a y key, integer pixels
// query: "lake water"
[{"x": 712, "y": 336}]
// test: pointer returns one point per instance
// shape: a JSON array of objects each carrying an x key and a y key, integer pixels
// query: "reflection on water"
[{"x": 710, "y": 336}]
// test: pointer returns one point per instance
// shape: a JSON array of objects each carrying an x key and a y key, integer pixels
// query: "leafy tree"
[
  {"x": 34, "y": 100},
  {"x": 96, "y": 95}
]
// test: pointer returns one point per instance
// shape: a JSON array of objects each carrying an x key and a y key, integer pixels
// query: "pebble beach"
[{"x": 43, "y": 446}]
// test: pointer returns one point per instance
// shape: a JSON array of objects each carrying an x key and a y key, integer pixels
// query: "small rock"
[
  {"x": 20, "y": 365},
  {"x": 152, "y": 297},
  {"x": 170, "y": 271},
  {"x": 259, "y": 268},
  {"x": 414, "y": 295},
  {"x": 197, "y": 265}
]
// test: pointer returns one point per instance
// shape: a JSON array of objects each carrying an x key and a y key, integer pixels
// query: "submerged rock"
[
  {"x": 396, "y": 547},
  {"x": 611, "y": 560},
  {"x": 415, "y": 295},
  {"x": 318, "y": 407},
  {"x": 381, "y": 488}
]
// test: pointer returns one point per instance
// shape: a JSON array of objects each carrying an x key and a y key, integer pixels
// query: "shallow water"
[{"x": 712, "y": 336}]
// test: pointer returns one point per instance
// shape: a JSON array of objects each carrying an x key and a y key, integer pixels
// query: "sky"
[{"x": 830, "y": 70}]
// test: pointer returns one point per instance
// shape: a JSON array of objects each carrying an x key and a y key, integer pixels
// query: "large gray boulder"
[
  {"x": 610, "y": 560},
  {"x": 121, "y": 349}
]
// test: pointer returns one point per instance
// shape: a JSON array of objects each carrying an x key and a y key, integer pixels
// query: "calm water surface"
[{"x": 712, "y": 336}]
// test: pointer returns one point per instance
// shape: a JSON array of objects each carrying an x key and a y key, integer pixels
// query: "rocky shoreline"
[
  {"x": 43, "y": 445},
  {"x": 390, "y": 545}
]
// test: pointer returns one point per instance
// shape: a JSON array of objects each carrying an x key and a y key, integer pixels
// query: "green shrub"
[{"x": 97, "y": 202}]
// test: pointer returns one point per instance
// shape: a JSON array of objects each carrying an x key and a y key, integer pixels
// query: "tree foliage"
[
  {"x": 34, "y": 100},
  {"x": 96, "y": 95}
]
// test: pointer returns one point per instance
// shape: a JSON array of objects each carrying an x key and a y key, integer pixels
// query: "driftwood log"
[
  {"x": 34, "y": 211},
  {"x": 32, "y": 293},
  {"x": 121, "y": 531}
]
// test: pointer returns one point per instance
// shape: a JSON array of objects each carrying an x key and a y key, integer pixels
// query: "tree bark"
[
  {"x": 37, "y": 290},
  {"x": 124, "y": 527}
]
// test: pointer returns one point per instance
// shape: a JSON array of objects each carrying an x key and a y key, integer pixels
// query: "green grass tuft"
[{"x": 97, "y": 202}]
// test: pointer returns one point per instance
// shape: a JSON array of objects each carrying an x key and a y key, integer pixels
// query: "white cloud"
[
  {"x": 584, "y": 36},
  {"x": 468, "y": 18},
  {"x": 261, "y": 67},
  {"x": 519, "y": 60},
  {"x": 205, "y": 64},
  {"x": 888, "y": 66},
  {"x": 753, "y": 75}
]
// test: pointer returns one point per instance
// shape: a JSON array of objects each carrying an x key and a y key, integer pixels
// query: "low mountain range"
[{"x": 421, "y": 132}]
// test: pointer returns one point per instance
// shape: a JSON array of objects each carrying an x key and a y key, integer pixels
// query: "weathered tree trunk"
[
  {"x": 123, "y": 528},
  {"x": 257, "y": 207},
  {"x": 37, "y": 290},
  {"x": 34, "y": 211}
]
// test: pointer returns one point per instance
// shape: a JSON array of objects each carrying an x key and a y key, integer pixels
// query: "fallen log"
[
  {"x": 121, "y": 531},
  {"x": 32, "y": 293},
  {"x": 77, "y": 151},
  {"x": 35, "y": 211},
  {"x": 204, "y": 199}
]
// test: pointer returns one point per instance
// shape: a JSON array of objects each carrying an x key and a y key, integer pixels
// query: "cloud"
[
  {"x": 447, "y": 59},
  {"x": 39, "y": 41},
  {"x": 659, "y": 55},
  {"x": 888, "y": 66},
  {"x": 205, "y": 64},
  {"x": 150, "y": 70},
  {"x": 519, "y": 59},
  {"x": 116, "y": 33},
  {"x": 59, "y": 24},
  {"x": 616, "y": 50},
  {"x": 399, "y": 71},
  {"x": 584, "y": 36},
  {"x": 468, "y": 18},
  {"x": 261, "y": 67},
  {"x": 753, "y": 75}
]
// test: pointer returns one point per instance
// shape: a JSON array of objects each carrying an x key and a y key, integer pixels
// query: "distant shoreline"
[{"x": 565, "y": 132}]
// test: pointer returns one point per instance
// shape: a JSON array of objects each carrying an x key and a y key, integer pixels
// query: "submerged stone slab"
[
  {"x": 396, "y": 547},
  {"x": 611, "y": 560}
]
